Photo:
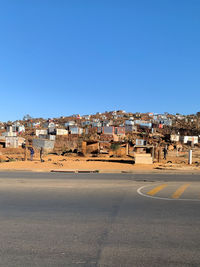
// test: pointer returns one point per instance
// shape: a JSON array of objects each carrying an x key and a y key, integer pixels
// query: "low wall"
[{"x": 143, "y": 159}]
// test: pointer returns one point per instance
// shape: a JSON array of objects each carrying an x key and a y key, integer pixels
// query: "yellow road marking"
[
  {"x": 156, "y": 189},
  {"x": 180, "y": 191}
]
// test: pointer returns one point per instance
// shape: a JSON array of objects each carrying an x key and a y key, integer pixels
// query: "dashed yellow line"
[
  {"x": 156, "y": 189},
  {"x": 180, "y": 191}
]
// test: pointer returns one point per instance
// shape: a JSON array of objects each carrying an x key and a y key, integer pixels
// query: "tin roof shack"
[
  {"x": 51, "y": 137},
  {"x": 130, "y": 128},
  {"x": 140, "y": 142},
  {"x": 14, "y": 141},
  {"x": 9, "y": 131},
  {"x": 174, "y": 138},
  {"x": 86, "y": 117},
  {"x": 162, "y": 119},
  {"x": 120, "y": 132},
  {"x": 41, "y": 132},
  {"x": 110, "y": 130},
  {"x": 108, "y": 134},
  {"x": 96, "y": 124},
  {"x": 45, "y": 124},
  {"x": 190, "y": 140},
  {"x": 166, "y": 122},
  {"x": 11, "y": 142},
  {"x": 61, "y": 132},
  {"x": 18, "y": 128},
  {"x": 76, "y": 130},
  {"x": 52, "y": 128},
  {"x": 47, "y": 145},
  {"x": 129, "y": 122},
  {"x": 107, "y": 123},
  {"x": 85, "y": 123},
  {"x": 70, "y": 124},
  {"x": 36, "y": 124},
  {"x": 143, "y": 124}
]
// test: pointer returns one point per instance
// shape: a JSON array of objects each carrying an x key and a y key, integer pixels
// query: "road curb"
[
  {"x": 76, "y": 171},
  {"x": 65, "y": 171}
]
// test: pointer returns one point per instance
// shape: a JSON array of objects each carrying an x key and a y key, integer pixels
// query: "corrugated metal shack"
[
  {"x": 76, "y": 130},
  {"x": 13, "y": 141},
  {"x": 41, "y": 132},
  {"x": 61, "y": 132},
  {"x": 108, "y": 130},
  {"x": 120, "y": 131},
  {"x": 48, "y": 145},
  {"x": 143, "y": 124}
]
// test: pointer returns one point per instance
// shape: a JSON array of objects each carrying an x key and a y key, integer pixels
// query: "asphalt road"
[{"x": 55, "y": 219}]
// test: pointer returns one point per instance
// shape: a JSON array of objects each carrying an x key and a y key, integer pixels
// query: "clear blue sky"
[{"x": 59, "y": 57}]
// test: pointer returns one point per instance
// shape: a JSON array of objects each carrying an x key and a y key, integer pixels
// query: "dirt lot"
[{"x": 54, "y": 162}]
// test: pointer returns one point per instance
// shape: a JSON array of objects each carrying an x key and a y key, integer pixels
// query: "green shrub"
[{"x": 114, "y": 146}]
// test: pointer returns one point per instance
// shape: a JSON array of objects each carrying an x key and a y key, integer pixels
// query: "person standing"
[
  {"x": 165, "y": 152},
  {"x": 41, "y": 154},
  {"x": 32, "y": 153}
]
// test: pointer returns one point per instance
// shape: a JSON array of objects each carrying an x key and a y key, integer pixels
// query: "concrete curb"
[
  {"x": 65, "y": 171},
  {"x": 155, "y": 171},
  {"x": 76, "y": 171}
]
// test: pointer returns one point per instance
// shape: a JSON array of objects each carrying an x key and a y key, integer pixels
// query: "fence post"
[{"x": 190, "y": 157}]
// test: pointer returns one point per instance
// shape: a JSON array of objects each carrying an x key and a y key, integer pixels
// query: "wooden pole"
[
  {"x": 190, "y": 157},
  {"x": 127, "y": 149},
  {"x": 26, "y": 150},
  {"x": 159, "y": 154}
]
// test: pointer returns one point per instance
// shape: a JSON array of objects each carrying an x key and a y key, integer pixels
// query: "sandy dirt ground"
[
  {"x": 54, "y": 162},
  {"x": 73, "y": 162},
  {"x": 62, "y": 163}
]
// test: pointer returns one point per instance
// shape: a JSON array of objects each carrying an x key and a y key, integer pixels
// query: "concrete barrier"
[{"x": 143, "y": 159}]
